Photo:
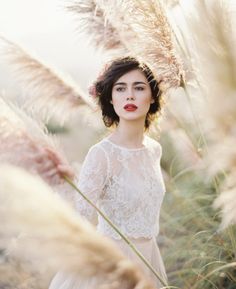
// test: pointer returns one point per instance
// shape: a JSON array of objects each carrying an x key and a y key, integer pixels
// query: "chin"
[{"x": 133, "y": 117}]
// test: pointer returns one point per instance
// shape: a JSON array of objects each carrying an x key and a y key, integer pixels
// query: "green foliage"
[{"x": 197, "y": 255}]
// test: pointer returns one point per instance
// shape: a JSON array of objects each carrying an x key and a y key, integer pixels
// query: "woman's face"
[{"x": 132, "y": 96}]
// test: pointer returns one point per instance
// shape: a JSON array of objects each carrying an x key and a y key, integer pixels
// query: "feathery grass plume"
[
  {"x": 20, "y": 274},
  {"x": 182, "y": 44},
  {"x": 186, "y": 153},
  {"x": 145, "y": 31},
  {"x": 227, "y": 203},
  {"x": 49, "y": 231},
  {"x": 92, "y": 21},
  {"x": 217, "y": 65},
  {"x": 24, "y": 142},
  {"x": 48, "y": 93},
  {"x": 225, "y": 169}
]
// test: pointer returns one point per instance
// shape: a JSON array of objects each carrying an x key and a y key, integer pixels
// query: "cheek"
[
  {"x": 145, "y": 104},
  {"x": 146, "y": 101},
  {"x": 116, "y": 100},
  {"x": 117, "y": 105}
]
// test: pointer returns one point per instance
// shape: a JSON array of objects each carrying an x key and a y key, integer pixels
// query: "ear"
[
  {"x": 152, "y": 100},
  {"x": 111, "y": 101}
]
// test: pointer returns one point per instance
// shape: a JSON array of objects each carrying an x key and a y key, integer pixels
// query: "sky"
[{"x": 46, "y": 29}]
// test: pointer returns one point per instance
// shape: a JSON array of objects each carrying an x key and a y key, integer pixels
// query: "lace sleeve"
[{"x": 92, "y": 179}]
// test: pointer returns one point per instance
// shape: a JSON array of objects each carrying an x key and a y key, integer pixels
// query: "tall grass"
[
  {"x": 199, "y": 249},
  {"x": 193, "y": 245}
]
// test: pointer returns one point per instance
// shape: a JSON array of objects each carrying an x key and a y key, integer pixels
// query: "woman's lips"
[{"x": 130, "y": 107}]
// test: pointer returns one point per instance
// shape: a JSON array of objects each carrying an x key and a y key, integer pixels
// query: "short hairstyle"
[{"x": 104, "y": 84}]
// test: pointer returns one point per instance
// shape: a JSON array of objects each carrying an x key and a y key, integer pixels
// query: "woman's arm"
[{"x": 92, "y": 179}]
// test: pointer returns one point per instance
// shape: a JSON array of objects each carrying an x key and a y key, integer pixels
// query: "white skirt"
[{"x": 148, "y": 248}]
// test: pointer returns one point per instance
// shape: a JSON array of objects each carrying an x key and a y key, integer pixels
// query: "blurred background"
[{"x": 46, "y": 29}]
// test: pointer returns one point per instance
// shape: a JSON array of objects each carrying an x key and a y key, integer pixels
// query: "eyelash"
[{"x": 120, "y": 89}]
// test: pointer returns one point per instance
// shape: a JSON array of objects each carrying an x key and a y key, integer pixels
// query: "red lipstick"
[{"x": 130, "y": 107}]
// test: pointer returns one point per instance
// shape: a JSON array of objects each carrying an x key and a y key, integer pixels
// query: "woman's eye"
[
  {"x": 139, "y": 88},
  {"x": 120, "y": 89}
]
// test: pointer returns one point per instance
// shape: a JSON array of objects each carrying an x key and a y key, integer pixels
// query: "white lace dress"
[{"x": 127, "y": 185}]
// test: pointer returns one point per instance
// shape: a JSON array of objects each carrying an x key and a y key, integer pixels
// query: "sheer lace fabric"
[{"x": 126, "y": 184}]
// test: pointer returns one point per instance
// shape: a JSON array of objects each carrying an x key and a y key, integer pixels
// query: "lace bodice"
[{"x": 126, "y": 184}]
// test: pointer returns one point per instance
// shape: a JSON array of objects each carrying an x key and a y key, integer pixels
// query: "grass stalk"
[{"x": 229, "y": 265}]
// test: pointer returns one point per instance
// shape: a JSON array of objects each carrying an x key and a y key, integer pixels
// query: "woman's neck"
[{"x": 129, "y": 134}]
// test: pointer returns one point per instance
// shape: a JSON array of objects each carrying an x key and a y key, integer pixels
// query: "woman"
[{"x": 121, "y": 173}]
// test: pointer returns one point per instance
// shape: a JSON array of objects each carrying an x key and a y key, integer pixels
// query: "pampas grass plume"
[
  {"x": 146, "y": 33},
  {"x": 227, "y": 203},
  {"x": 24, "y": 142},
  {"x": 49, "y": 94},
  {"x": 48, "y": 230},
  {"x": 92, "y": 21}
]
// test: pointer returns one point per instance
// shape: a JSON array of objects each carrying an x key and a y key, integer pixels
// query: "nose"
[
  {"x": 130, "y": 98},
  {"x": 130, "y": 94}
]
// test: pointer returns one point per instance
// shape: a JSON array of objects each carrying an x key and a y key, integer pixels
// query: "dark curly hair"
[{"x": 112, "y": 72}]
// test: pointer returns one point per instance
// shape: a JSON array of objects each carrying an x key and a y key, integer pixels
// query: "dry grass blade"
[
  {"x": 52, "y": 233},
  {"x": 92, "y": 21},
  {"x": 146, "y": 33},
  {"x": 47, "y": 93},
  {"x": 24, "y": 142}
]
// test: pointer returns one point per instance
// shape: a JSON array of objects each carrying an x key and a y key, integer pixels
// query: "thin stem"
[
  {"x": 232, "y": 238},
  {"x": 230, "y": 265},
  {"x": 132, "y": 246}
]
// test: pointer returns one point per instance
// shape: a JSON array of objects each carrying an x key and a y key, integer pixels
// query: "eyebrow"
[{"x": 124, "y": 83}]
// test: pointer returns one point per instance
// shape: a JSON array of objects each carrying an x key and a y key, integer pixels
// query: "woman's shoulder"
[
  {"x": 97, "y": 152},
  {"x": 153, "y": 144},
  {"x": 100, "y": 145}
]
